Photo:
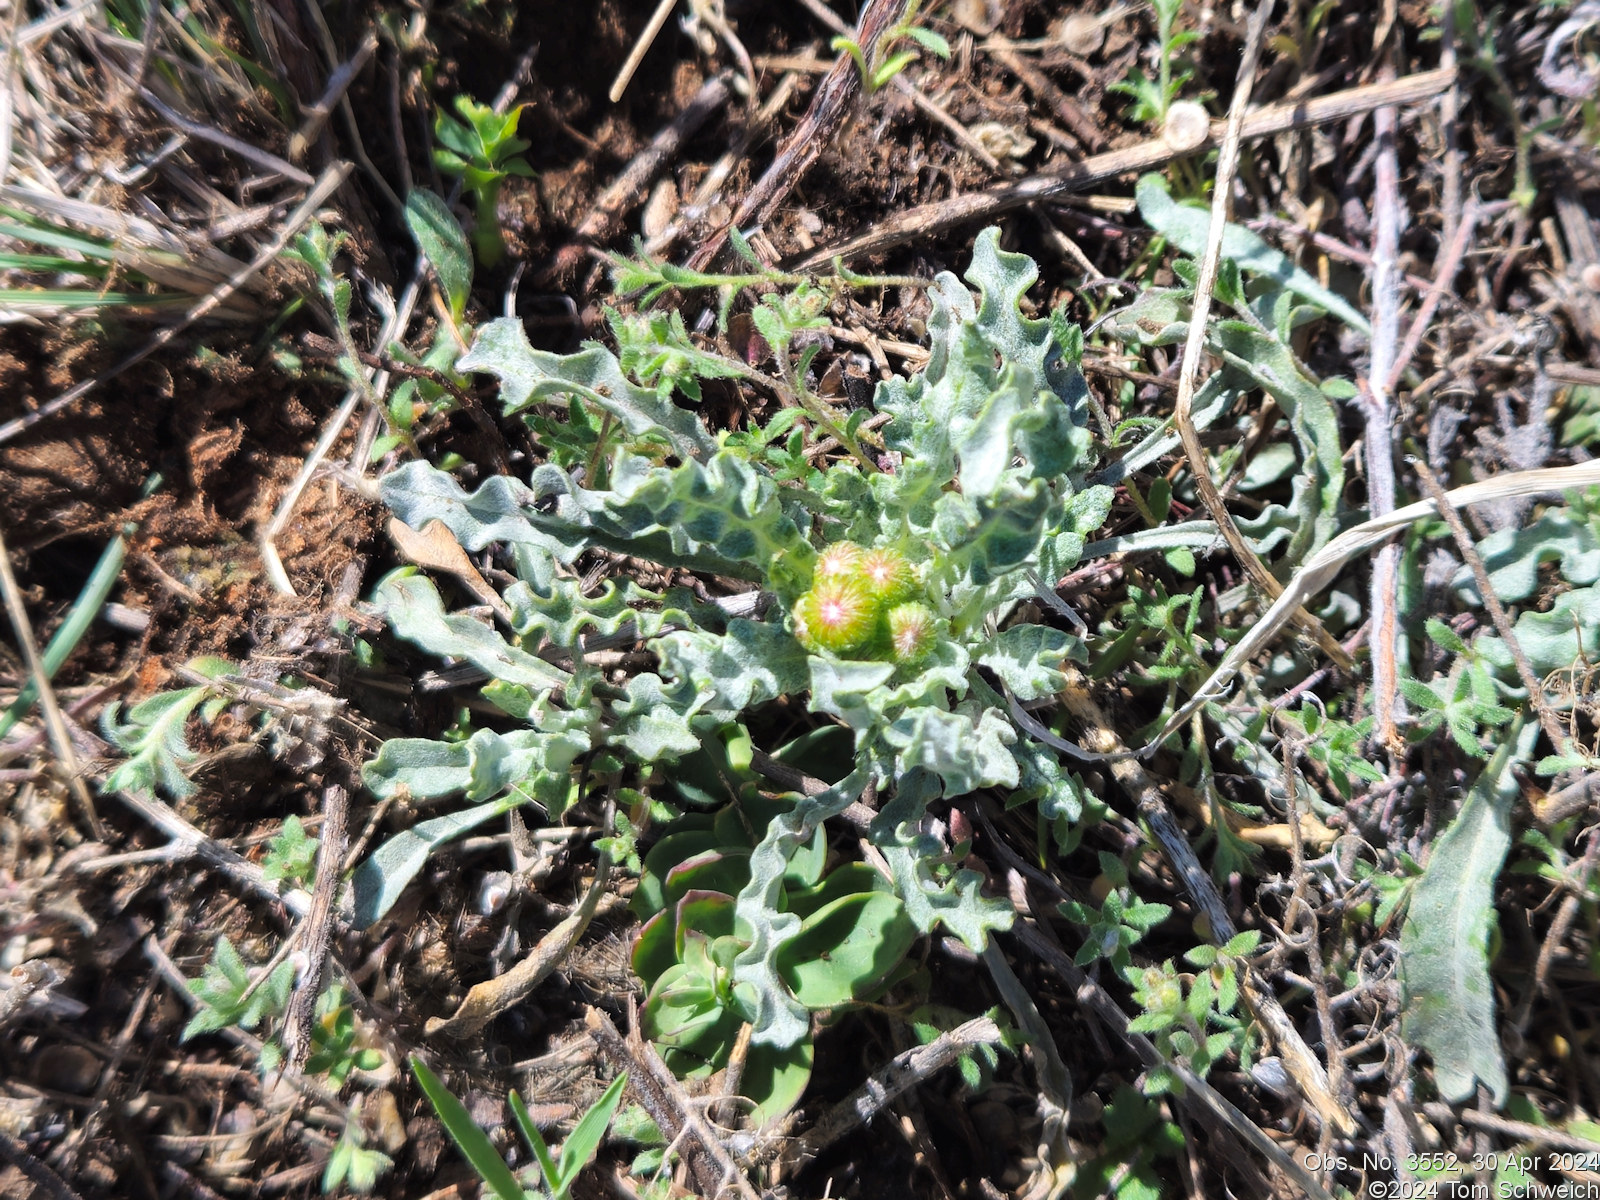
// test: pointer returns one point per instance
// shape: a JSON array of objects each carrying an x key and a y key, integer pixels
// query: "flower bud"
[
  {"x": 837, "y": 560},
  {"x": 837, "y": 615},
  {"x": 913, "y": 629},
  {"x": 888, "y": 576}
]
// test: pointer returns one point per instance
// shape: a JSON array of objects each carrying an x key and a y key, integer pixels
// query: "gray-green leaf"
[{"x": 1444, "y": 965}]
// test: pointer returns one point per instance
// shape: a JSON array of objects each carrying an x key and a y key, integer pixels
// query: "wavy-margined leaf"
[
  {"x": 549, "y": 607},
  {"x": 411, "y": 605},
  {"x": 528, "y": 376},
  {"x": 1027, "y": 658},
  {"x": 955, "y": 902},
  {"x": 722, "y": 517},
  {"x": 497, "y": 511},
  {"x": 965, "y": 417},
  {"x": 1263, "y": 358},
  {"x": 1444, "y": 964},
  {"x": 752, "y": 663},
  {"x": 967, "y": 749},
  {"x": 1513, "y": 556},
  {"x": 653, "y": 720},
  {"x": 1553, "y": 641},
  {"x": 481, "y": 767},
  {"x": 1188, "y": 228},
  {"x": 778, "y": 1019}
]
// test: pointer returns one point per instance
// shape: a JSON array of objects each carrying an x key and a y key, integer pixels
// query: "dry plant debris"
[{"x": 985, "y": 598}]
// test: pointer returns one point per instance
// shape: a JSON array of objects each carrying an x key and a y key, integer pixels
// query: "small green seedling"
[
  {"x": 228, "y": 994},
  {"x": 560, "y": 1171},
  {"x": 292, "y": 856},
  {"x": 352, "y": 1164},
  {"x": 153, "y": 735},
  {"x": 880, "y": 66},
  {"x": 335, "y": 1048},
  {"x": 482, "y": 150},
  {"x": 1153, "y": 97}
]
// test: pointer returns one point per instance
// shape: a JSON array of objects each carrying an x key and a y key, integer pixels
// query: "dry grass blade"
[
  {"x": 326, "y": 185},
  {"x": 487, "y": 1000},
  {"x": 1194, "y": 347},
  {"x": 1318, "y": 571}
]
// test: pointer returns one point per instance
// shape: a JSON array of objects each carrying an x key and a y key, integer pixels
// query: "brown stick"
[
  {"x": 663, "y": 1098},
  {"x": 606, "y": 215},
  {"x": 1076, "y": 177},
  {"x": 317, "y": 928},
  {"x": 814, "y": 134}
]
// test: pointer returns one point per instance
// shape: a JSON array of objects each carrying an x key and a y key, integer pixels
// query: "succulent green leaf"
[{"x": 845, "y": 948}]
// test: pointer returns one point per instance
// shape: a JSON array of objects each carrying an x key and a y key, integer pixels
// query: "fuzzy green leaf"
[
  {"x": 1444, "y": 966},
  {"x": 1188, "y": 229},
  {"x": 528, "y": 376}
]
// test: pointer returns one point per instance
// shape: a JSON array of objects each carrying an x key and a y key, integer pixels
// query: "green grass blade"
[
  {"x": 469, "y": 1139},
  {"x": 586, "y": 1136},
  {"x": 553, "y": 1178},
  {"x": 78, "y": 298},
  {"x": 41, "y": 235},
  {"x": 50, "y": 262},
  {"x": 66, "y": 639}
]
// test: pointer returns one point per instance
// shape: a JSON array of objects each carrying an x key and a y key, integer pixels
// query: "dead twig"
[
  {"x": 927, "y": 219},
  {"x": 810, "y": 138},
  {"x": 606, "y": 214},
  {"x": 662, "y": 1096},
  {"x": 1199, "y": 1095},
  {"x": 1308, "y": 1074},
  {"x": 487, "y": 1000},
  {"x": 51, "y": 1186},
  {"x": 189, "y": 842},
  {"x": 1377, "y": 403},
  {"x": 901, "y": 1073},
  {"x": 317, "y": 928},
  {"x": 641, "y": 47}
]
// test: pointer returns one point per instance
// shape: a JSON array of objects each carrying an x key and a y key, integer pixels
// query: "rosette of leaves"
[
  {"x": 983, "y": 469},
  {"x": 854, "y": 934}
]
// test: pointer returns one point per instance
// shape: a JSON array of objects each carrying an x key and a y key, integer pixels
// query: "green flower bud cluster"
[{"x": 865, "y": 604}]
